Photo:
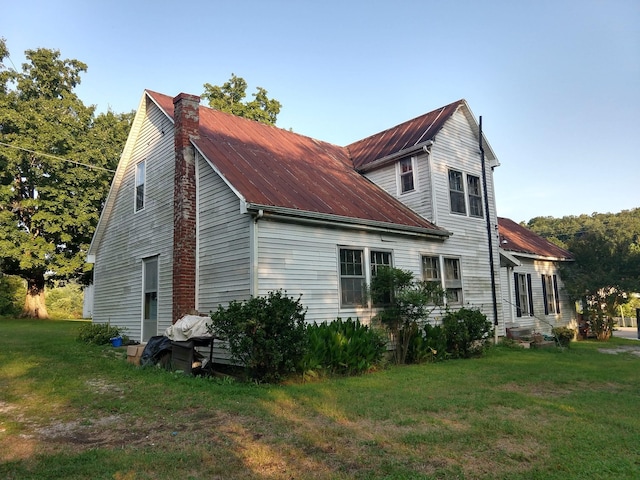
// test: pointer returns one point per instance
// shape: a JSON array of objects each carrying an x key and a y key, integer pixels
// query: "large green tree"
[
  {"x": 230, "y": 98},
  {"x": 56, "y": 163},
  {"x": 607, "y": 259}
]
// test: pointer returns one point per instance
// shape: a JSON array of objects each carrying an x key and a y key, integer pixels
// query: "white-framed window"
[
  {"x": 140, "y": 185},
  {"x": 406, "y": 175},
  {"x": 352, "y": 277},
  {"x": 355, "y": 273},
  {"x": 550, "y": 294},
  {"x": 453, "y": 280},
  {"x": 431, "y": 269},
  {"x": 465, "y": 194},
  {"x": 475, "y": 196},
  {"x": 447, "y": 273},
  {"x": 524, "y": 297},
  {"x": 456, "y": 192},
  {"x": 377, "y": 259}
]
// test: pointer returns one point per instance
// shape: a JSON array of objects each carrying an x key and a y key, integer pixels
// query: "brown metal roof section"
[
  {"x": 270, "y": 166},
  {"x": 518, "y": 239},
  {"x": 401, "y": 137}
]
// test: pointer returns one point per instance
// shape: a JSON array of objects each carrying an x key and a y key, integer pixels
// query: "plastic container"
[{"x": 116, "y": 341}]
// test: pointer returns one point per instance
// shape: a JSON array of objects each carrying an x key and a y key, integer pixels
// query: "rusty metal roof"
[
  {"x": 411, "y": 133},
  {"x": 518, "y": 239},
  {"x": 270, "y": 166}
]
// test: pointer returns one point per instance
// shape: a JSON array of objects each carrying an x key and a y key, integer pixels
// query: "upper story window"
[
  {"x": 462, "y": 193},
  {"x": 550, "y": 294},
  {"x": 456, "y": 192},
  {"x": 140, "y": 182},
  {"x": 475, "y": 197},
  {"x": 407, "y": 183}
]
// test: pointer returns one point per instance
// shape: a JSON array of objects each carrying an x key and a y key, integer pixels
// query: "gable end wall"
[{"x": 131, "y": 236}]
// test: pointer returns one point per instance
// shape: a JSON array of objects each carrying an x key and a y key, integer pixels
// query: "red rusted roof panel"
[
  {"x": 403, "y": 136},
  {"x": 518, "y": 239},
  {"x": 274, "y": 167}
]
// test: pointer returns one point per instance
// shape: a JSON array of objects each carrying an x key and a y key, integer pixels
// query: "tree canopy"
[
  {"x": 56, "y": 163},
  {"x": 230, "y": 98}
]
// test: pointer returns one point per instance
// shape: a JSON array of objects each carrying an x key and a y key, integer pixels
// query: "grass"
[{"x": 75, "y": 411}]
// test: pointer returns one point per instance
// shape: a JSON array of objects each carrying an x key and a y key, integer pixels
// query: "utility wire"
[{"x": 58, "y": 158}]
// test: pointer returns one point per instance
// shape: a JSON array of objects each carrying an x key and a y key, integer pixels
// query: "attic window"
[
  {"x": 406, "y": 175},
  {"x": 140, "y": 181}
]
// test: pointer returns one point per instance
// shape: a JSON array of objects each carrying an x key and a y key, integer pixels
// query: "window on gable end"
[
  {"x": 475, "y": 197},
  {"x": 140, "y": 185},
  {"x": 407, "y": 183},
  {"x": 456, "y": 192}
]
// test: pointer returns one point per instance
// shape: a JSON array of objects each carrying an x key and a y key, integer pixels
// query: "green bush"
[
  {"x": 65, "y": 301},
  {"x": 343, "y": 347},
  {"x": 100, "y": 333},
  {"x": 564, "y": 335},
  {"x": 12, "y": 293},
  {"x": 267, "y": 335},
  {"x": 467, "y": 332},
  {"x": 427, "y": 345},
  {"x": 405, "y": 302}
]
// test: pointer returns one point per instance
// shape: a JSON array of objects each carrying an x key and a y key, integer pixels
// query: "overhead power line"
[{"x": 58, "y": 158}]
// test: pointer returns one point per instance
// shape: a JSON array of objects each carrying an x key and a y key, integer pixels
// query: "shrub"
[
  {"x": 564, "y": 335},
  {"x": 65, "y": 301},
  {"x": 343, "y": 347},
  {"x": 406, "y": 302},
  {"x": 12, "y": 292},
  {"x": 100, "y": 333},
  {"x": 267, "y": 335},
  {"x": 467, "y": 332}
]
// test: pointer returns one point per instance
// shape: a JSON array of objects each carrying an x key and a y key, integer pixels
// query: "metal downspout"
[
  {"x": 255, "y": 261},
  {"x": 489, "y": 234}
]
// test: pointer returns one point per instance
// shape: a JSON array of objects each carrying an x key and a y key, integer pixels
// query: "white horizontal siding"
[
  {"x": 419, "y": 199},
  {"x": 303, "y": 260},
  {"x": 539, "y": 321},
  {"x": 455, "y": 147},
  {"x": 224, "y": 254},
  {"x": 131, "y": 236}
]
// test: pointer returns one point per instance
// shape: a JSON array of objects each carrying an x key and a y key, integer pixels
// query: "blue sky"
[{"x": 557, "y": 82}]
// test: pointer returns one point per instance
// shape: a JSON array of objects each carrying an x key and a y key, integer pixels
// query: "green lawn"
[{"x": 72, "y": 411}]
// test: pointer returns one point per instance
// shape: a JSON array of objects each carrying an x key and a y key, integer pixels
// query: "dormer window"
[{"x": 407, "y": 183}]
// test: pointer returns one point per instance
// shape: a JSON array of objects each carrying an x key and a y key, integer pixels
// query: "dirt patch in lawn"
[{"x": 632, "y": 349}]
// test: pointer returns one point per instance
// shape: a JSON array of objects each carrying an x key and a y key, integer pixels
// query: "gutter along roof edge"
[{"x": 345, "y": 222}]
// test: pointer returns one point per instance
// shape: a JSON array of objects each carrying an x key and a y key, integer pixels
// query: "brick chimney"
[{"x": 186, "y": 123}]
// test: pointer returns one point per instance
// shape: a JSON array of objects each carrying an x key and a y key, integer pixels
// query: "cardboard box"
[{"x": 134, "y": 352}]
